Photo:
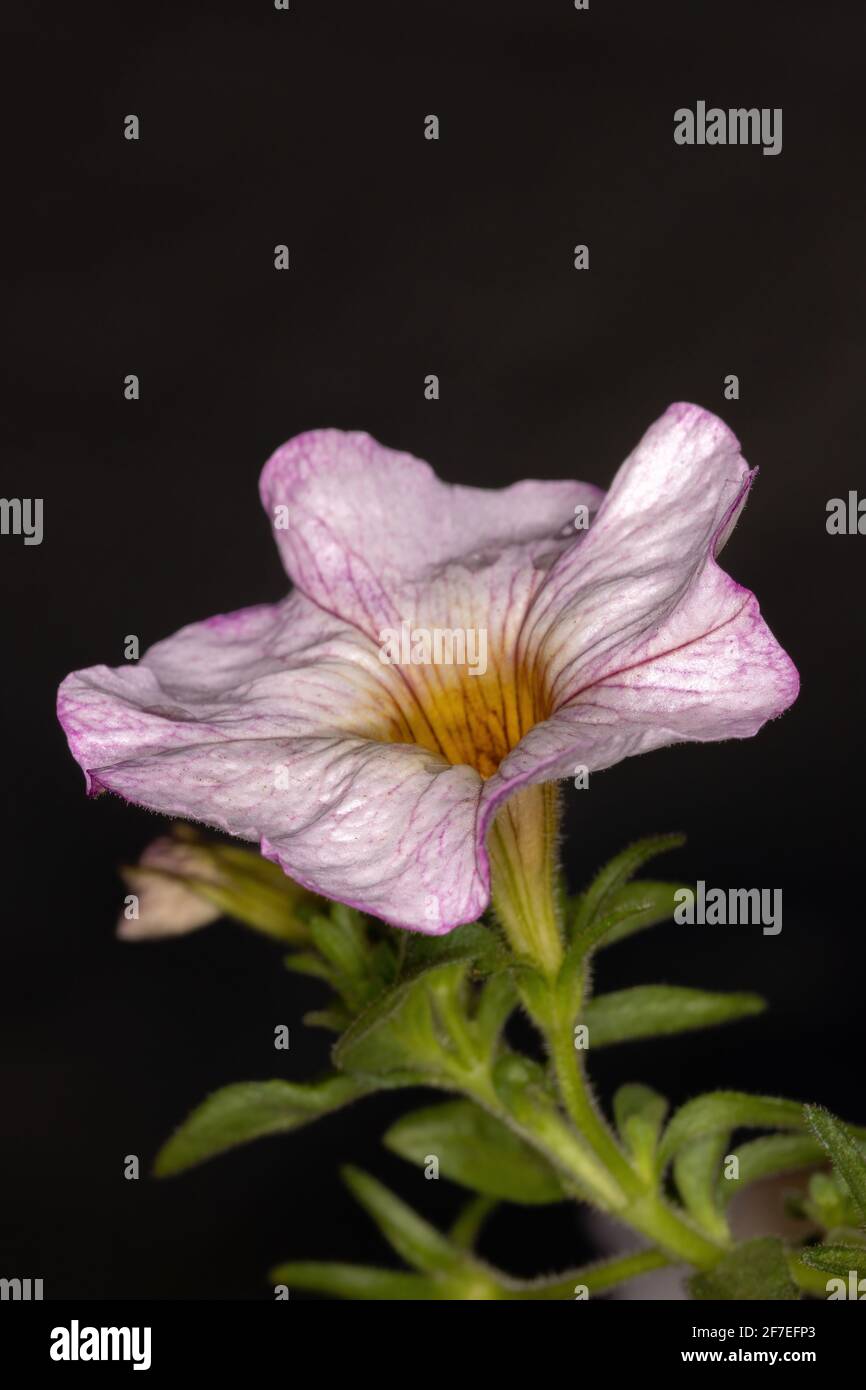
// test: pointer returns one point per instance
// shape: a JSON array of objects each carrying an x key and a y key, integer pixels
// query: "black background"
[{"x": 407, "y": 257}]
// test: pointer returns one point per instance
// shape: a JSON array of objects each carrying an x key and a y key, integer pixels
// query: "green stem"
[
  {"x": 652, "y": 1216},
  {"x": 546, "y": 1130},
  {"x": 646, "y": 1211},
  {"x": 580, "y": 1106},
  {"x": 598, "y": 1278},
  {"x": 603, "y": 1168}
]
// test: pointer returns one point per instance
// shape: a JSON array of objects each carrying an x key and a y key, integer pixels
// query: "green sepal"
[
  {"x": 249, "y": 1110},
  {"x": 756, "y": 1270},
  {"x": 648, "y": 1011},
  {"x": 476, "y": 1150}
]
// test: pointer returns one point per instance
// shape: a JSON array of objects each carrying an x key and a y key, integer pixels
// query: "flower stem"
[{"x": 522, "y": 849}]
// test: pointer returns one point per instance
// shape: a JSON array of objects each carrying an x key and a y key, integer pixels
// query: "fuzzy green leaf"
[
  {"x": 358, "y": 1281},
  {"x": 595, "y": 900},
  {"x": 397, "y": 1040},
  {"x": 756, "y": 1270},
  {"x": 847, "y": 1156},
  {"x": 696, "y": 1173},
  {"x": 728, "y": 1110},
  {"x": 639, "y": 1113},
  {"x": 764, "y": 1157},
  {"x": 249, "y": 1110},
  {"x": 476, "y": 1150},
  {"x": 413, "y": 1238},
  {"x": 648, "y": 1011},
  {"x": 472, "y": 942},
  {"x": 838, "y": 1260},
  {"x": 636, "y": 906}
]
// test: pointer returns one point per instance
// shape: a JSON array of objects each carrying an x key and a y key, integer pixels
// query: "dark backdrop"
[{"x": 407, "y": 257}]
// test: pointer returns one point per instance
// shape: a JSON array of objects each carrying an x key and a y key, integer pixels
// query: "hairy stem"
[
  {"x": 598, "y": 1278},
  {"x": 522, "y": 850}
]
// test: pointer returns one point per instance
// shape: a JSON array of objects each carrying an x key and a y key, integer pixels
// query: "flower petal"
[
  {"x": 370, "y": 530},
  {"x": 643, "y": 639},
  {"x": 254, "y": 723}
]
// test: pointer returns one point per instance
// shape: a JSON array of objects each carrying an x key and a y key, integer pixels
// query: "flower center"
[{"x": 473, "y": 719}]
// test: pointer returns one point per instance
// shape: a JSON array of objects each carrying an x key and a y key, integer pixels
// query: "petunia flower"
[{"x": 396, "y": 786}]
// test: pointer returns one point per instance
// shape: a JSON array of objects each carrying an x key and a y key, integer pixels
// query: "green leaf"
[
  {"x": 839, "y": 1260},
  {"x": 625, "y": 911},
  {"x": 358, "y": 1281},
  {"x": 696, "y": 1173},
  {"x": 397, "y": 1040},
  {"x": 467, "y": 1228},
  {"x": 334, "y": 1019},
  {"x": 848, "y": 1160},
  {"x": 636, "y": 906},
  {"x": 249, "y": 1110},
  {"x": 342, "y": 940},
  {"x": 757, "y": 1269},
  {"x": 648, "y": 1011},
  {"x": 829, "y": 1202},
  {"x": 472, "y": 942},
  {"x": 413, "y": 1238},
  {"x": 476, "y": 1150},
  {"x": 308, "y": 963},
  {"x": 639, "y": 1113},
  {"x": 728, "y": 1110},
  {"x": 497, "y": 1001},
  {"x": 764, "y": 1157},
  {"x": 617, "y": 872}
]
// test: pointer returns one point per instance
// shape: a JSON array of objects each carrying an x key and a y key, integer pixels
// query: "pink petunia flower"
[{"x": 376, "y": 781}]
